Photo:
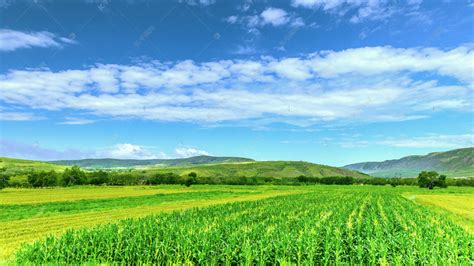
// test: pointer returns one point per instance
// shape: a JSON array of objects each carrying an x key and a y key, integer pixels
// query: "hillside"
[
  {"x": 277, "y": 169},
  {"x": 13, "y": 165},
  {"x": 202, "y": 165},
  {"x": 454, "y": 163},
  {"x": 127, "y": 163}
]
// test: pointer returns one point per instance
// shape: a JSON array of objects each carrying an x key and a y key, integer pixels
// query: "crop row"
[{"x": 357, "y": 227}]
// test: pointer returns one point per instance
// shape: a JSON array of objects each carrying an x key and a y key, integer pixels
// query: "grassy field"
[
  {"x": 302, "y": 214},
  {"x": 459, "y": 206}
]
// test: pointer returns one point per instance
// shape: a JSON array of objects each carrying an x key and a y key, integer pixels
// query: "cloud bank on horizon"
[{"x": 370, "y": 69}]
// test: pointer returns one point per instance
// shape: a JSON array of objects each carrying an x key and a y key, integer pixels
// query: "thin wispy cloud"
[
  {"x": 433, "y": 141},
  {"x": 359, "y": 11},
  {"x": 18, "y": 116},
  {"x": 76, "y": 121},
  {"x": 11, "y": 40}
]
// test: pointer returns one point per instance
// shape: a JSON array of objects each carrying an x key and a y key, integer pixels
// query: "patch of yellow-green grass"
[
  {"x": 10, "y": 196},
  {"x": 14, "y": 233},
  {"x": 13, "y": 165},
  {"x": 459, "y": 206}
]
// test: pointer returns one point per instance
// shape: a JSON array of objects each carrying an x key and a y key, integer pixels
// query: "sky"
[{"x": 327, "y": 81}]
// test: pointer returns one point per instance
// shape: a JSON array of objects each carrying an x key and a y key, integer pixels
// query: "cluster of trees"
[
  {"x": 425, "y": 180},
  {"x": 4, "y": 180},
  {"x": 431, "y": 179},
  {"x": 76, "y": 176},
  {"x": 330, "y": 180},
  {"x": 347, "y": 180},
  {"x": 172, "y": 178}
]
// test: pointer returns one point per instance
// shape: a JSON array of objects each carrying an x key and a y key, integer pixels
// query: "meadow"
[{"x": 213, "y": 224}]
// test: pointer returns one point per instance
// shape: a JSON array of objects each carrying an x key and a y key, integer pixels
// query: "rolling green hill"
[
  {"x": 277, "y": 169},
  {"x": 121, "y": 163},
  {"x": 204, "y": 166},
  {"x": 12, "y": 165},
  {"x": 454, "y": 163}
]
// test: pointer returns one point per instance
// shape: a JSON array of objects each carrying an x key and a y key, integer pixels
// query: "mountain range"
[{"x": 454, "y": 163}]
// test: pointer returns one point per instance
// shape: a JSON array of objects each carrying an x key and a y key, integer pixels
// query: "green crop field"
[{"x": 207, "y": 224}]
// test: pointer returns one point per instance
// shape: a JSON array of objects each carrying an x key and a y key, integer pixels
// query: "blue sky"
[{"x": 328, "y": 81}]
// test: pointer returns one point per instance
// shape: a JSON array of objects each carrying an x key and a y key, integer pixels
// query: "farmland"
[{"x": 228, "y": 224}]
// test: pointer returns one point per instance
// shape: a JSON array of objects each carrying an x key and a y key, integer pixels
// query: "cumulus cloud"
[
  {"x": 14, "y": 149},
  {"x": 270, "y": 16},
  {"x": 362, "y": 84},
  {"x": 11, "y": 40},
  {"x": 274, "y": 16},
  {"x": 185, "y": 152},
  {"x": 129, "y": 151}
]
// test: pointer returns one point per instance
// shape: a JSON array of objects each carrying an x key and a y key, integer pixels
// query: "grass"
[
  {"x": 26, "y": 211},
  {"x": 33, "y": 196},
  {"x": 460, "y": 206}
]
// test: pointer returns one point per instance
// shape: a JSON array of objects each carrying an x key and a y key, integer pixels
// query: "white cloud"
[
  {"x": 274, "y": 16},
  {"x": 270, "y": 16},
  {"x": 128, "y": 151},
  {"x": 455, "y": 63},
  {"x": 298, "y": 22},
  {"x": 18, "y": 116},
  {"x": 199, "y": 2},
  {"x": 9, "y": 148},
  {"x": 232, "y": 19},
  {"x": 186, "y": 152},
  {"x": 360, "y": 10},
  {"x": 364, "y": 84},
  {"x": 76, "y": 121},
  {"x": 11, "y": 40},
  {"x": 434, "y": 141},
  {"x": 245, "y": 50}
]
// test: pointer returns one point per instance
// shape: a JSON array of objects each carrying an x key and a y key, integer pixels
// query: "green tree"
[
  {"x": 4, "y": 178},
  {"x": 98, "y": 178},
  {"x": 43, "y": 179},
  {"x": 191, "y": 179},
  {"x": 430, "y": 179},
  {"x": 73, "y": 176}
]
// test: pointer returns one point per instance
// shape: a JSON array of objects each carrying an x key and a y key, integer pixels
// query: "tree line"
[{"x": 76, "y": 176}]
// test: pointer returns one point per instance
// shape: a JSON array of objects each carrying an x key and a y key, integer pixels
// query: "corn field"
[{"x": 336, "y": 227}]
